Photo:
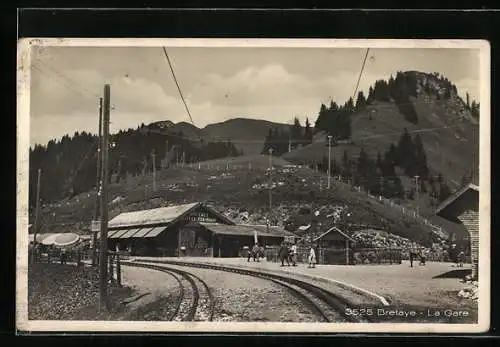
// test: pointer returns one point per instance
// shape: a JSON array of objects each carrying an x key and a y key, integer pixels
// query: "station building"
[
  {"x": 194, "y": 229},
  {"x": 462, "y": 207}
]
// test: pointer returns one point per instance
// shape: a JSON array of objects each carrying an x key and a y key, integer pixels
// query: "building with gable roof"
[
  {"x": 462, "y": 207},
  {"x": 194, "y": 229}
]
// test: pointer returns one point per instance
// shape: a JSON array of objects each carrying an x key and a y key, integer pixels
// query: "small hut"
[{"x": 335, "y": 247}]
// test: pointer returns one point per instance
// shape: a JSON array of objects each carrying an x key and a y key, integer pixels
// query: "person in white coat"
[
  {"x": 293, "y": 250},
  {"x": 312, "y": 257}
]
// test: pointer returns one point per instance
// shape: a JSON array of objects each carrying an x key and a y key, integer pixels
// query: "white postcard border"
[{"x": 22, "y": 239}]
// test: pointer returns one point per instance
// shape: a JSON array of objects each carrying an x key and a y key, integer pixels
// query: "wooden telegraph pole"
[
  {"x": 98, "y": 185},
  {"x": 103, "y": 254},
  {"x": 37, "y": 214}
]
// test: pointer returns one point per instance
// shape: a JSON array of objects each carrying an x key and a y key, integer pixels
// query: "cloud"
[
  {"x": 271, "y": 85},
  {"x": 269, "y": 91},
  {"x": 79, "y": 90}
]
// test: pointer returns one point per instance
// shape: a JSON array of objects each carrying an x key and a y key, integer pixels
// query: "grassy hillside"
[
  {"x": 234, "y": 185},
  {"x": 241, "y": 188},
  {"x": 448, "y": 142}
]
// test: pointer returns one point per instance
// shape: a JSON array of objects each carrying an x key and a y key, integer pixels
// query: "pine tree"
[
  {"x": 371, "y": 96},
  {"x": 308, "y": 135},
  {"x": 405, "y": 153},
  {"x": 379, "y": 160},
  {"x": 321, "y": 120},
  {"x": 346, "y": 166},
  {"x": 392, "y": 154},
  {"x": 360, "y": 101},
  {"x": 349, "y": 106},
  {"x": 421, "y": 168},
  {"x": 447, "y": 92},
  {"x": 296, "y": 133},
  {"x": 468, "y": 99}
]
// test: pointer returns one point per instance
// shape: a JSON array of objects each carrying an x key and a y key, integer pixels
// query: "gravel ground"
[
  {"x": 432, "y": 287},
  {"x": 157, "y": 294},
  {"x": 240, "y": 298}
]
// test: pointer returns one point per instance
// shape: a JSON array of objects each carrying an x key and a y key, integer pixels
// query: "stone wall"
[{"x": 470, "y": 219}]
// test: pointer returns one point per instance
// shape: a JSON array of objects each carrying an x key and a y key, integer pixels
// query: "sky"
[{"x": 219, "y": 83}]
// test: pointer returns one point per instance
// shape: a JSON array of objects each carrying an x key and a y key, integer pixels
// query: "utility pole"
[
  {"x": 103, "y": 254},
  {"x": 37, "y": 214},
  {"x": 98, "y": 185},
  {"x": 382, "y": 186},
  {"x": 417, "y": 191},
  {"x": 270, "y": 177},
  {"x": 153, "y": 155},
  {"x": 329, "y": 158}
]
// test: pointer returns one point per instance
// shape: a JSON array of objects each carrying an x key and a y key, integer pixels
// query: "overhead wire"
[
  {"x": 82, "y": 91},
  {"x": 69, "y": 80},
  {"x": 177, "y": 84},
  {"x": 65, "y": 84},
  {"x": 361, "y": 73}
]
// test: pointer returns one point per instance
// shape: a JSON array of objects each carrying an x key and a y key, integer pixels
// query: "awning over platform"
[{"x": 147, "y": 232}]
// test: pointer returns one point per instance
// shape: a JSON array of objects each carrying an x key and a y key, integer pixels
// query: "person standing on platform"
[
  {"x": 412, "y": 255},
  {"x": 255, "y": 252},
  {"x": 294, "y": 254},
  {"x": 312, "y": 257},
  {"x": 423, "y": 256},
  {"x": 283, "y": 254}
]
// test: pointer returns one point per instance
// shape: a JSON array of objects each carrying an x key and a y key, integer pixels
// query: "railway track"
[
  {"x": 328, "y": 306},
  {"x": 195, "y": 302}
]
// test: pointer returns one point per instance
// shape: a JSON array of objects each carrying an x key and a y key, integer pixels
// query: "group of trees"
[
  {"x": 379, "y": 174},
  {"x": 69, "y": 166},
  {"x": 399, "y": 89},
  {"x": 335, "y": 120},
  {"x": 472, "y": 107},
  {"x": 280, "y": 140},
  {"x": 441, "y": 87}
]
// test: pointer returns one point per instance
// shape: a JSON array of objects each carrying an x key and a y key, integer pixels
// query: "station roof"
[
  {"x": 334, "y": 229},
  {"x": 158, "y": 216},
  {"x": 451, "y": 207},
  {"x": 145, "y": 232},
  {"x": 247, "y": 230}
]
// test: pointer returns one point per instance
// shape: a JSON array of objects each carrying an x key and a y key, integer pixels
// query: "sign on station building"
[{"x": 95, "y": 226}]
